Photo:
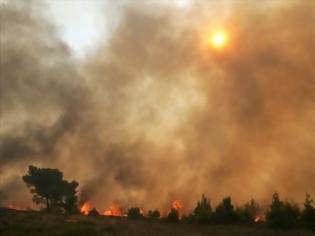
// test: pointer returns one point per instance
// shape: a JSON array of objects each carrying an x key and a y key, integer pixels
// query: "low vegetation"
[
  {"x": 24, "y": 223},
  {"x": 61, "y": 216}
]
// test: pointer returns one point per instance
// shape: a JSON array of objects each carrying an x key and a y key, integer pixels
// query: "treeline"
[
  {"x": 58, "y": 195},
  {"x": 280, "y": 214}
]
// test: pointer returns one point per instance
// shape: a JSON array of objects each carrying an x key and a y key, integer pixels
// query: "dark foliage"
[
  {"x": 225, "y": 213},
  {"x": 48, "y": 187},
  {"x": 203, "y": 211},
  {"x": 58, "y": 195},
  {"x": 308, "y": 213},
  {"x": 94, "y": 212},
  {"x": 154, "y": 215},
  {"x": 172, "y": 216},
  {"x": 248, "y": 212},
  {"x": 189, "y": 219},
  {"x": 134, "y": 213},
  {"x": 282, "y": 215}
]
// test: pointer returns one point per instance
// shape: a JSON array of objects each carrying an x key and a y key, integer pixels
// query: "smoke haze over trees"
[{"x": 151, "y": 114}]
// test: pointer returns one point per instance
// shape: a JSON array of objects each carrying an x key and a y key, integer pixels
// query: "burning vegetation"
[
  {"x": 177, "y": 205},
  {"x": 86, "y": 208},
  {"x": 114, "y": 210},
  {"x": 50, "y": 191},
  {"x": 152, "y": 105}
]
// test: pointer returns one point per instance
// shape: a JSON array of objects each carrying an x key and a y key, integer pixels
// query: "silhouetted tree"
[
  {"x": 203, "y": 211},
  {"x": 94, "y": 212},
  {"x": 308, "y": 213},
  {"x": 281, "y": 214},
  {"x": 189, "y": 219},
  {"x": 134, "y": 213},
  {"x": 172, "y": 216},
  {"x": 48, "y": 187},
  {"x": 224, "y": 212},
  {"x": 248, "y": 212},
  {"x": 2, "y": 196},
  {"x": 154, "y": 215}
]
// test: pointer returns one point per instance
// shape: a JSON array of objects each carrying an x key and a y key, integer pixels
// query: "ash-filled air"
[{"x": 151, "y": 114}]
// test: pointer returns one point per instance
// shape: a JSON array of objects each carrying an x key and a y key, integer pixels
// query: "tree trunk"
[{"x": 47, "y": 204}]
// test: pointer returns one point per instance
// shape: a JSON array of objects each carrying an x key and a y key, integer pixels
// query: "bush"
[
  {"x": 154, "y": 215},
  {"x": 282, "y": 215},
  {"x": 94, "y": 212},
  {"x": 172, "y": 216},
  {"x": 134, "y": 213},
  {"x": 189, "y": 219}
]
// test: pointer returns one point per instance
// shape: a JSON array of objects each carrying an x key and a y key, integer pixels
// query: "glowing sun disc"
[{"x": 218, "y": 39}]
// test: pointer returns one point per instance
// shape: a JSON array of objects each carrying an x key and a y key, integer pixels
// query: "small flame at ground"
[
  {"x": 258, "y": 219},
  {"x": 14, "y": 207},
  {"x": 86, "y": 208}
]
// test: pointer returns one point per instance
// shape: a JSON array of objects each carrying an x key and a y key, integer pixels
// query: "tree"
[
  {"x": 134, "y": 213},
  {"x": 48, "y": 187},
  {"x": 203, "y": 211},
  {"x": 282, "y": 215},
  {"x": 154, "y": 215},
  {"x": 225, "y": 213},
  {"x": 189, "y": 219},
  {"x": 248, "y": 212},
  {"x": 172, "y": 216},
  {"x": 308, "y": 213},
  {"x": 94, "y": 212}
]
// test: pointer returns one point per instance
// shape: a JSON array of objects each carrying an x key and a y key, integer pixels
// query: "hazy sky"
[
  {"x": 81, "y": 23},
  {"x": 152, "y": 111}
]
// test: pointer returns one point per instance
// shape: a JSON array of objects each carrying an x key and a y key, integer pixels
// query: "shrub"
[
  {"x": 189, "y": 219},
  {"x": 172, "y": 216},
  {"x": 94, "y": 212},
  {"x": 154, "y": 215},
  {"x": 134, "y": 213}
]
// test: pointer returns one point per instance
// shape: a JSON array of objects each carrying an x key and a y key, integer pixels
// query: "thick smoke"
[{"x": 154, "y": 115}]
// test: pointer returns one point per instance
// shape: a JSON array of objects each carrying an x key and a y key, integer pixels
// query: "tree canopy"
[
  {"x": 172, "y": 216},
  {"x": 224, "y": 212},
  {"x": 134, "y": 213},
  {"x": 308, "y": 213},
  {"x": 203, "y": 211},
  {"x": 154, "y": 214},
  {"x": 49, "y": 188},
  {"x": 282, "y": 214}
]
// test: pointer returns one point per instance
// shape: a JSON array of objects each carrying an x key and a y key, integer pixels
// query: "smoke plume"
[{"x": 153, "y": 115}]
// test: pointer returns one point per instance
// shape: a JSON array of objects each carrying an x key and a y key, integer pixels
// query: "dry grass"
[{"x": 34, "y": 224}]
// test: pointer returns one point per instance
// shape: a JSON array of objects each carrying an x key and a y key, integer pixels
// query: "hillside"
[{"x": 18, "y": 223}]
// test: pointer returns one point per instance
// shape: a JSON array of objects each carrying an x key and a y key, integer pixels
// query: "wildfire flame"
[
  {"x": 177, "y": 205},
  {"x": 258, "y": 219},
  {"x": 14, "y": 207},
  {"x": 86, "y": 207},
  {"x": 114, "y": 210}
]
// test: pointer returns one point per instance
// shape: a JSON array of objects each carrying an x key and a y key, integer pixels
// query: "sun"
[{"x": 218, "y": 39}]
